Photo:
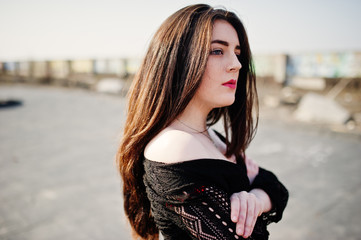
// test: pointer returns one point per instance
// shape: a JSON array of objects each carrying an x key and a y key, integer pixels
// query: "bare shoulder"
[{"x": 172, "y": 145}]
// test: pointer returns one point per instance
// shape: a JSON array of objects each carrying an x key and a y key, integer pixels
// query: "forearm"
[
  {"x": 278, "y": 194},
  {"x": 265, "y": 199}
]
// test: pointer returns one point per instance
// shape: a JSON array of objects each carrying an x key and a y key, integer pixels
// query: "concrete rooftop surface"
[{"x": 58, "y": 177}]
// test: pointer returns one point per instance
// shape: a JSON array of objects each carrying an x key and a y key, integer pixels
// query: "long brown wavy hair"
[{"x": 168, "y": 79}]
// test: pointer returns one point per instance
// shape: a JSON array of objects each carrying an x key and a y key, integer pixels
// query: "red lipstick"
[{"x": 231, "y": 84}]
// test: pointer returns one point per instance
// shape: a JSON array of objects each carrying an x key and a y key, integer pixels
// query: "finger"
[
  {"x": 254, "y": 222},
  {"x": 242, "y": 213},
  {"x": 235, "y": 206},
  {"x": 257, "y": 213},
  {"x": 248, "y": 228}
]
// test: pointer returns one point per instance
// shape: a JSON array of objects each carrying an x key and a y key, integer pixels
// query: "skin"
[
  {"x": 247, "y": 206},
  {"x": 222, "y": 66}
]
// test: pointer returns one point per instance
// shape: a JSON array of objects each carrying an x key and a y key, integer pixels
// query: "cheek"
[
  {"x": 205, "y": 86},
  {"x": 213, "y": 67},
  {"x": 211, "y": 80},
  {"x": 211, "y": 74}
]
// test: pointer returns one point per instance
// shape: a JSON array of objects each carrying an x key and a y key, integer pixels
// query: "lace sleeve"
[{"x": 206, "y": 215}]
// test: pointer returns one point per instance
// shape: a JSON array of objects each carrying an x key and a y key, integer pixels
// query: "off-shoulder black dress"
[{"x": 191, "y": 199}]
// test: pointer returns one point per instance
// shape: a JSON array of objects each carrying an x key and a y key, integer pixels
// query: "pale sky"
[{"x": 58, "y": 29}]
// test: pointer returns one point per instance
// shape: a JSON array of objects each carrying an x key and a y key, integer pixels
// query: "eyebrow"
[{"x": 224, "y": 43}]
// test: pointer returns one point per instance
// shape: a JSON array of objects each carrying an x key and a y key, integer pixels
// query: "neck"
[{"x": 195, "y": 116}]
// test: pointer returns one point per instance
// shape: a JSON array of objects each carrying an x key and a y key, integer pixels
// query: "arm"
[
  {"x": 247, "y": 206},
  {"x": 261, "y": 179},
  {"x": 209, "y": 216},
  {"x": 278, "y": 194},
  {"x": 252, "y": 172}
]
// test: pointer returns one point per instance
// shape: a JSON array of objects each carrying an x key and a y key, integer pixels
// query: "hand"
[
  {"x": 245, "y": 208},
  {"x": 252, "y": 168}
]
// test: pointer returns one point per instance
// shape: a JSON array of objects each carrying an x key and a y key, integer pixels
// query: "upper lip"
[{"x": 232, "y": 81}]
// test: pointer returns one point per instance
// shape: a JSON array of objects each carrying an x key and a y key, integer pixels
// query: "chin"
[{"x": 226, "y": 102}]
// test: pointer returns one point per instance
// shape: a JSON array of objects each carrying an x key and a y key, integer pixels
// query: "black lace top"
[{"x": 191, "y": 200}]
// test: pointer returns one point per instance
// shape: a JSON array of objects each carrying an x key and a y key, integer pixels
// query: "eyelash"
[
  {"x": 220, "y": 52},
  {"x": 217, "y": 52}
]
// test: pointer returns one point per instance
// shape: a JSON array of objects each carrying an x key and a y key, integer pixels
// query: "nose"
[{"x": 234, "y": 64}]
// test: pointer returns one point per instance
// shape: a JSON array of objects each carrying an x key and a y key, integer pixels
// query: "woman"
[{"x": 179, "y": 176}]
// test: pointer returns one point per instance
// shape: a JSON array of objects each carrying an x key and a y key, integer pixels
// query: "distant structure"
[
  {"x": 72, "y": 73},
  {"x": 313, "y": 71}
]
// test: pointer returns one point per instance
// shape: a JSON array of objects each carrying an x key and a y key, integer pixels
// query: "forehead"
[{"x": 223, "y": 30}]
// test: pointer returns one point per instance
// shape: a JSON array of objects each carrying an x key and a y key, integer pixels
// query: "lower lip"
[{"x": 233, "y": 86}]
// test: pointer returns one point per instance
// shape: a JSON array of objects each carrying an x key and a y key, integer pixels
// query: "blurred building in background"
[
  {"x": 323, "y": 87},
  {"x": 86, "y": 73},
  {"x": 312, "y": 70}
]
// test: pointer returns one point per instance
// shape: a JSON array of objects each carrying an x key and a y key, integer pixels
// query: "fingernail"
[
  {"x": 239, "y": 231},
  {"x": 234, "y": 218}
]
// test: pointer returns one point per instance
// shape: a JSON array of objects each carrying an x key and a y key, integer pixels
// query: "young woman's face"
[{"x": 219, "y": 82}]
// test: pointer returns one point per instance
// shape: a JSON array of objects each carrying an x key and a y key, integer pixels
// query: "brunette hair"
[{"x": 168, "y": 78}]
